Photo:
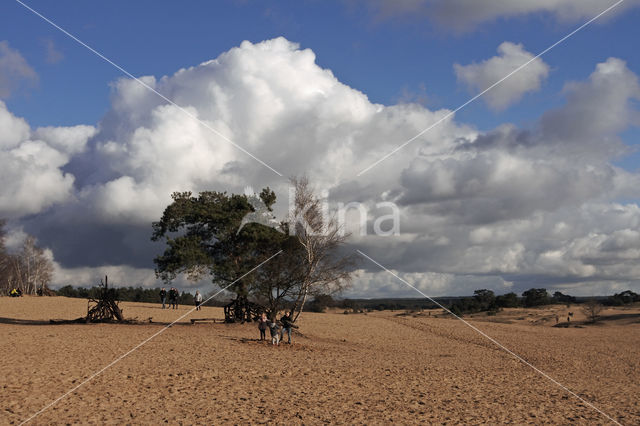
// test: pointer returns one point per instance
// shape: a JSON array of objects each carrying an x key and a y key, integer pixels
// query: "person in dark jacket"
[
  {"x": 163, "y": 296},
  {"x": 173, "y": 298},
  {"x": 287, "y": 325}
]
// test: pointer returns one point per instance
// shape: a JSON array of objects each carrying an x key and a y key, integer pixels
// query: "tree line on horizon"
[
  {"x": 127, "y": 294},
  {"x": 486, "y": 301},
  {"x": 482, "y": 301}
]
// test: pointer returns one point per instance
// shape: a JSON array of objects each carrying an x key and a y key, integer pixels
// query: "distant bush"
[
  {"x": 67, "y": 291},
  {"x": 624, "y": 298},
  {"x": 509, "y": 300},
  {"x": 563, "y": 298},
  {"x": 455, "y": 309},
  {"x": 320, "y": 303},
  {"x": 592, "y": 310},
  {"x": 485, "y": 299}
]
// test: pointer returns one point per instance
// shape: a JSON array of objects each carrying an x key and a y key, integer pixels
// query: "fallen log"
[{"x": 213, "y": 320}]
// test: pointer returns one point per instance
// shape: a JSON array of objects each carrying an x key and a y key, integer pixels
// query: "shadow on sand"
[
  {"x": 617, "y": 317},
  {"x": 16, "y": 321},
  {"x": 133, "y": 321}
]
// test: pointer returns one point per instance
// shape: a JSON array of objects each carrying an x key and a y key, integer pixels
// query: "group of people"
[
  {"x": 173, "y": 298},
  {"x": 277, "y": 329},
  {"x": 16, "y": 292}
]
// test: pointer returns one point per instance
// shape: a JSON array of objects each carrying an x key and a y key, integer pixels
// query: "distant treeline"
[
  {"x": 131, "y": 294},
  {"x": 481, "y": 301}
]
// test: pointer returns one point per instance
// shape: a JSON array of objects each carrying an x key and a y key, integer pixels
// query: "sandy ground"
[{"x": 381, "y": 367}]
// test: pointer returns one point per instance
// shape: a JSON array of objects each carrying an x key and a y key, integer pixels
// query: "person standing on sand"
[
  {"x": 287, "y": 324},
  {"x": 262, "y": 326},
  {"x": 198, "y": 300},
  {"x": 173, "y": 298},
  {"x": 163, "y": 296}
]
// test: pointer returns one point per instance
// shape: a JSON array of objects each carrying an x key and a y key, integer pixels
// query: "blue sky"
[
  {"x": 535, "y": 182},
  {"x": 388, "y": 60}
]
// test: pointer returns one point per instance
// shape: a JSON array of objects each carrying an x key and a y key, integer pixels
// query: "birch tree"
[
  {"x": 32, "y": 269},
  {"x": 325, "y": 269}
]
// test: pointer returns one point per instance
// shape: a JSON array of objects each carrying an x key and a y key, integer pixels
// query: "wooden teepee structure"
[
  {"x": 241, "y": 310},
  {"x": 105, "y": 308}
]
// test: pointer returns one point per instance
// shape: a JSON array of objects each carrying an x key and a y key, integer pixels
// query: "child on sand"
[
  {"x": 262, "y": 326},
  {"x": 275, "y": 333}
]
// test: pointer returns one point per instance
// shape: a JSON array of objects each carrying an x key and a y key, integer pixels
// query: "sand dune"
[{"x": 376, "y": 368}]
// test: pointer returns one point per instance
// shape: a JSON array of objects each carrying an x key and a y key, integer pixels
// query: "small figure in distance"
[
  {"x": 15, "y": 292},
  {"x": 262, "y": 326},
  {"x": 163, "y": 296},
  {"x": 287, "y": 325},
  {"x": 198, "y": 300},
  {"x": 274, "y": 329}
]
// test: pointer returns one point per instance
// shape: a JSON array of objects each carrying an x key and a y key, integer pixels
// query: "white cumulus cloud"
[
  {"x": 507, "y": 209},
  {"x": 480, "y": 76},
  {"x": 31, "y": 164}
]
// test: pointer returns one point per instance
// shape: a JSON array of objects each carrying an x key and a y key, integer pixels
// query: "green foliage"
[
  {"x": 320, "y": 303},
  {"x": 563, "y": 298},
  {"x": 67, "y": 291},
  {"x": 220, "y": 235},
  {"x": 467, "y": 305},
  {"x": 485, "y": 299},
  {"x": 536, "y": 297},
  {"x": 202, "y": 237},
  {"x": 456, "y": 310},
  {"x": 509, "y": 300},
  {"x": 624, "y": 298}
]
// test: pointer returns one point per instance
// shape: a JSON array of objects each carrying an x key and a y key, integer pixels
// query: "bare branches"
[
  {"x": 29, "y": 270},
  {"x": 325, "y": 271},
  {"x": 592, "y": 310}
]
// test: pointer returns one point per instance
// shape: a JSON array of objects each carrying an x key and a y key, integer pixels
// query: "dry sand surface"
[{"x": 376, "y": 368}]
